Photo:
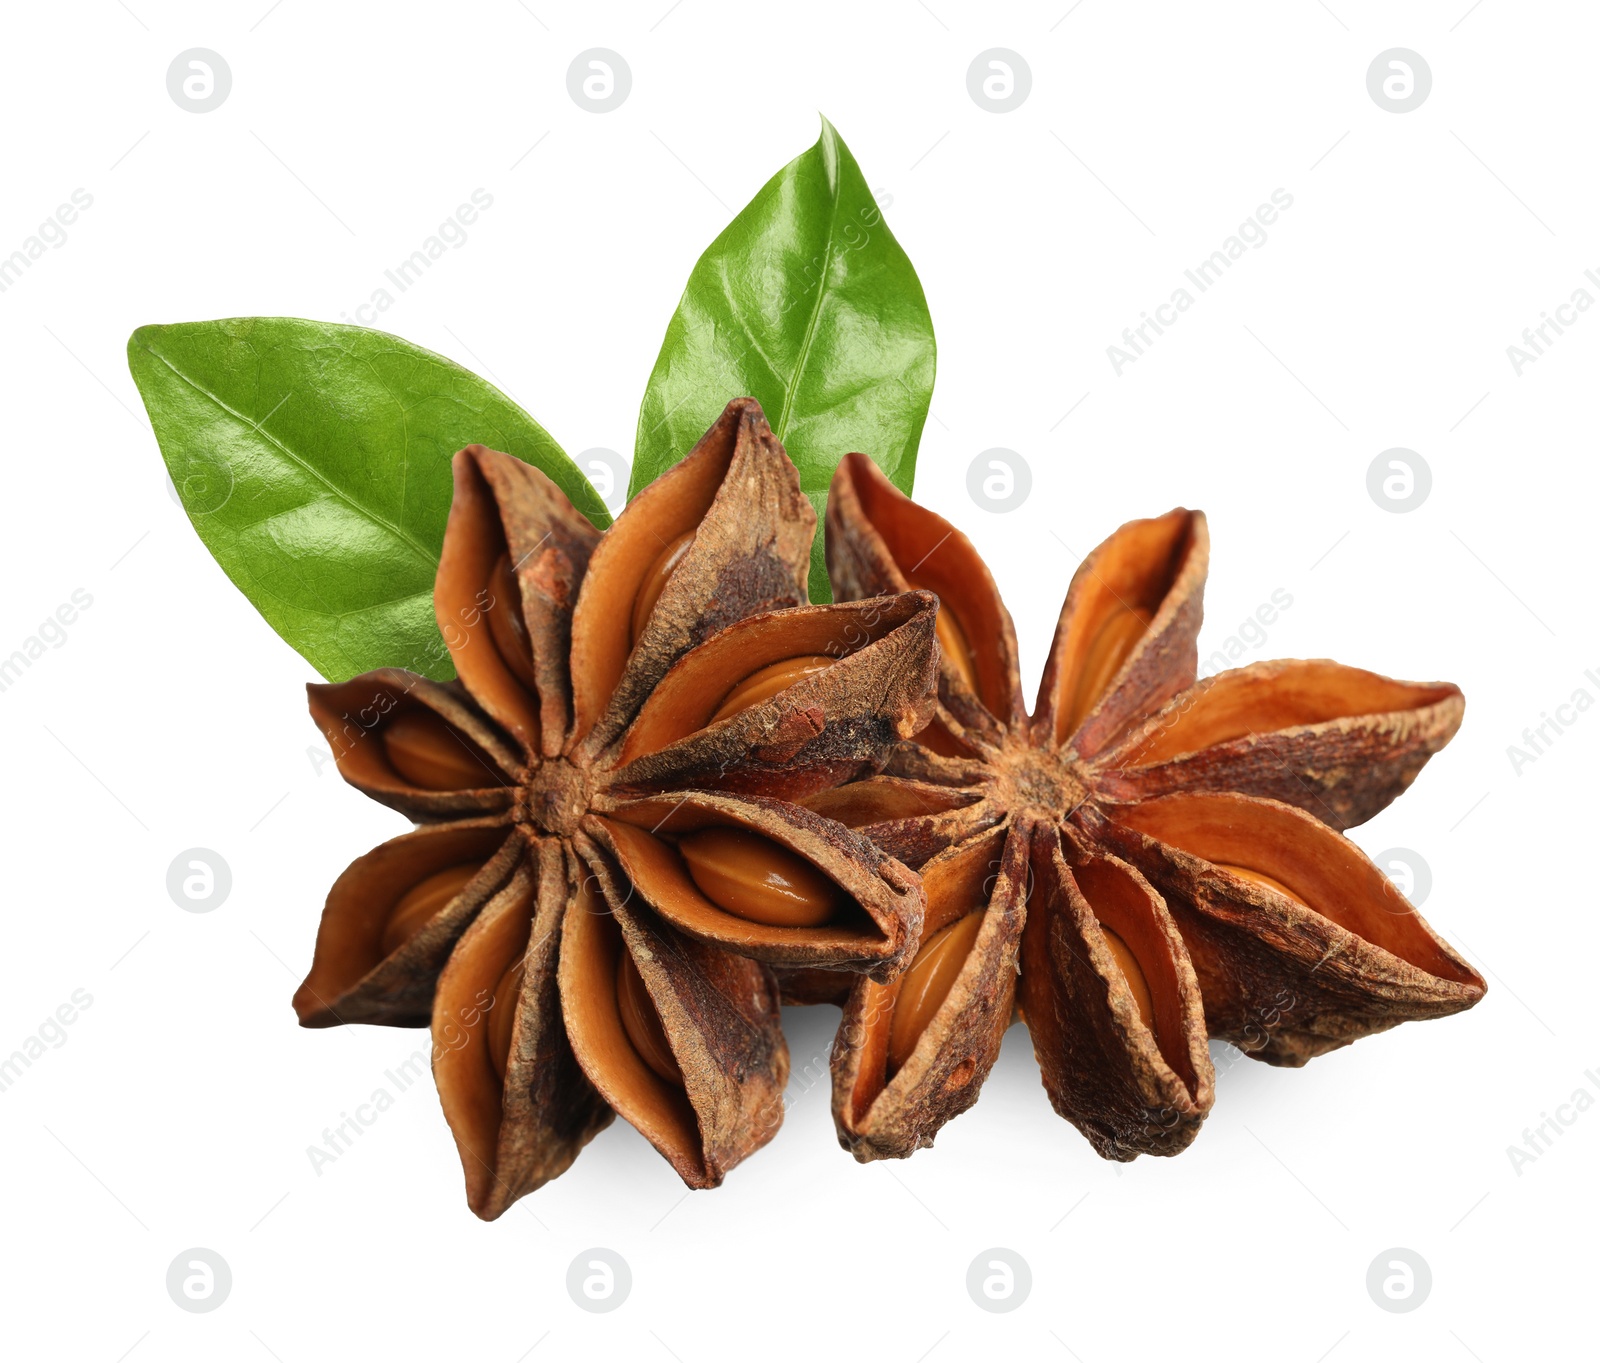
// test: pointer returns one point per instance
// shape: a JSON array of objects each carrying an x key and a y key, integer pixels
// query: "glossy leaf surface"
[
  {"x": 314, "y": 461},
  {"x": 807, "y": 303}
]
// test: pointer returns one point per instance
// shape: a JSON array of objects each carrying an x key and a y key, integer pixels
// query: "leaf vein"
[
  {"x": 420, "y": 550},
  {"x": 793, "y": 386}
]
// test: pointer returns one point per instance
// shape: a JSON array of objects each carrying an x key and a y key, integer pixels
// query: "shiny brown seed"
[
  {"x": 770, "y": 680},
  {"x": 506, "y": 625},
  {"x": 642, "y": 1022},
  {"x": 428, "y": 753},
  {"x": 655, "y": 580},
  {"x": 422, "y": 901},
  {"x": 754, "y": 878},
  {"x": 927, "y": 984},
  {"x": 503, "y": 1016},
  {"x": 953, "y": 644},
  {"x": 1260, "y": 878},
  {"x": 1131, "y": 971},
  {"x": 1113, "y": 642}
]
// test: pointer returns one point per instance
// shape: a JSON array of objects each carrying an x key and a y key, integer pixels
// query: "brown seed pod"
[
  {"x": 767, "y": 880},
  {"x": 914, "y": 1053},
  {"x": 377, "y": 957},
  {"x": 1180, "y": 880},
  {"x": 718, "y": 1012},
  {"x": 1277, "y": 908},
  {"x": 1302, "y": 732},
  {"x": 589, "y": 729},
  {"x": 829, "y": 725},
  {"x": 519, "y": 1104},
  {"x": 1112, "y": 1002}
]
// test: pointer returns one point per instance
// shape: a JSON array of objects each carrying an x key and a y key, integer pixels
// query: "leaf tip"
[{"x": 142, "y": 343}]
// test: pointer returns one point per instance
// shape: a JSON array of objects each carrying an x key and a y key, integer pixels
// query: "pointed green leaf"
[
  {"x": 807, "y": 304},
  {"x": 314, "y": 461}
]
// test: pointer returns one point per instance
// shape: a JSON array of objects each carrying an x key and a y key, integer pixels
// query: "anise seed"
[
  {"x": 506, "y": 625},
  {"x": 425, "y": 751},
  {"x": 953, "y": 644},
  {"x": 642, "y": 1022},
  {"x": 1259, "y": 878},
  {"x": 654, "y": 581},
  {"x": 753, "y": 877},
  {"x": 1113, "y": 641},
  {"x": 1128, "y": 963},
  {"x": 503, "y": 1015},
  {"x": 770, "y": 680},
  {"x": 927, "y": 984},
  {"x": 422, "y": 901}
]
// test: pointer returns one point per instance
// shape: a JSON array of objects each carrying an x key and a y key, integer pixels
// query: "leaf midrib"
[
  {"x": 418, "y": 549},
  {"x": 781, "y": 430}
]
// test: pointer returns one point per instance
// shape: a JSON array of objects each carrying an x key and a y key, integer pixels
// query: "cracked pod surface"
[
  {"x": 1187, "y": 873},
  {"x": 584, "y": 915}
]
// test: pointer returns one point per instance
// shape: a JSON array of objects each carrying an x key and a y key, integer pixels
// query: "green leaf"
[
  {"x": 807, "y": 304},
  {"x": 314, "y": 461}
]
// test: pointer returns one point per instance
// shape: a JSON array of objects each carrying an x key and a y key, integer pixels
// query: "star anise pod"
[
  {"x": 1142, "y": 859},
  {"x": 588, "y": 916}
]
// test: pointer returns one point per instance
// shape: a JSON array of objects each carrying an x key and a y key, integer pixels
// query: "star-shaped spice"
[
  {"x": 1144, "y": 859},
  {"x": 610, "y": 862}
]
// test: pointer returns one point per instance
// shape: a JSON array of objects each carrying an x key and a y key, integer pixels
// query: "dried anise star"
[
  {"x": 589, "y": 914},
  {"x": 1144, "y": 857}
]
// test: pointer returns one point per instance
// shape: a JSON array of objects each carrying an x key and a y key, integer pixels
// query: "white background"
[{"x": 179, "y": 1109}]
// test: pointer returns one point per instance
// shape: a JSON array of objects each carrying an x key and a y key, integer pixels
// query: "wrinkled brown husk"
[
  {"x": 1132, "y": 1091},
  {"x": 1284, "y": 981},
  {"x": 1160, "y": 564},
  {"x": 1281, "y": 980},
  {"x": 350, "y": 980},
  {"x": 352, "y": 716},
  {"x": 502, "y": 503},
  {"x": 753, "y": 528},
  {"x": 911, "y": 820},
  {"x": 552, "y": 736},
  {"x": 512, "y": 1136},
  {"x": 877, "y": 936},
  {"x": 720, "y": 1015},
  {"x": 881, "y": 1117},
  {"x": 804, "y": 986},
  {"x": 1338, "y": 742},
  {"x": 880, "y": 541},
  {"x": 823, "y": 730}
]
